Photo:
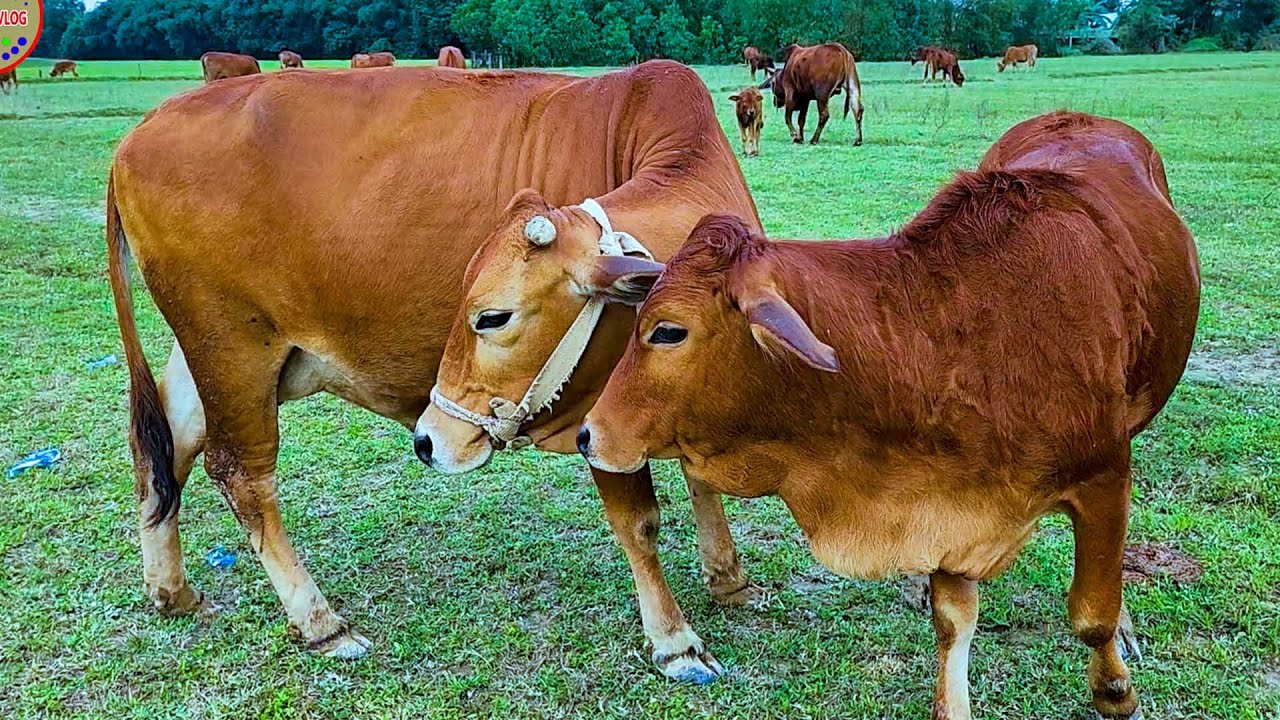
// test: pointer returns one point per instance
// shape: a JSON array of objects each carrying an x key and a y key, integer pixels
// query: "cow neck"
[{"x": 509, "y": 417}]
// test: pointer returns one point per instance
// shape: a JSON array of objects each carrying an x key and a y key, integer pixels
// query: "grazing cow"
[
  {"x": 290, "y": 59},
  {"x": 451, "y": 56},
  {"x": 9, "y": 80},
  {"x": 757, "y": 60},
  {"x": 937, "y": 59},
  {"x": 220, "y": 65},
  {"x": 62, "y": 67},
  {"x": 749, "y": 109},
  {"x": 1017, "y": 55},
  {"x": 306, "y": 274},
  {"x": 920, "y": 401},
  {"x": 815, "y": 74},
  {"x": 369, "y": 60}
]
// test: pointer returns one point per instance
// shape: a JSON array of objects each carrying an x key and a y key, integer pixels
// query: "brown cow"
[
  {"x": 749, "y": 109},
  {"x": 62, "y": 67},
  {"x": 290, "y": 59},
  {"x": 1018, "y": 54},
  {"x": 815, "y": 74},
  {"x": 370, "y": 60},
  {"x": 757, "y": 60},
  {"x": 306, "y": 274},
  {"x": 920, "y": 401},
  {"x": 220, "y": 65},
  {"x": 9, "y": 80},
  {"x": 937, "y": 59},
  {"x": 451, "y": 56}
]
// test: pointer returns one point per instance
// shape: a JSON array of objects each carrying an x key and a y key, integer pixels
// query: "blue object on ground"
[
  {"x": 38, "y": 459},
  {"x": 220, "y": 558},
  {"x": 102, "y": 362}
]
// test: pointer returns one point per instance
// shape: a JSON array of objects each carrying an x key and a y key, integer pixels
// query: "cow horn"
[{"x": 540, "y": 231}]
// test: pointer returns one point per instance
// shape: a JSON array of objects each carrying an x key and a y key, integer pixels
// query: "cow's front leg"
[
  {"x": 791, "y": 127},
  {"x": 632, "y": 509},
  {"x": 721, "y": 568}
]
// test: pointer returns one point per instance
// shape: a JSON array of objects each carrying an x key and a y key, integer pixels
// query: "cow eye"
[
  {"x": 667, "y": 334},
  {"x": 492, "y": 320}
]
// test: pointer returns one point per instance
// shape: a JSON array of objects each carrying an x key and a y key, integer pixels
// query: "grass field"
[{"x": 503, "y": 593}]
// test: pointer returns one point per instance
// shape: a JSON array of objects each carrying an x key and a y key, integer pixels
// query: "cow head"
[
  {"x": 957, "y": 76},
  {"x": 527, "y": 284},
  {"x": 748, "y": 104},
  {"x": 716, "y": 343}
]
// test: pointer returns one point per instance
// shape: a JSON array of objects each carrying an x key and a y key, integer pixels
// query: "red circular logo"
[{"x": 21, "y": 22}]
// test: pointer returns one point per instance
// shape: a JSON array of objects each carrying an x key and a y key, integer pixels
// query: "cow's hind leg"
[
  {"x": 721, "y": 568},
  {"x": 1099, "y": 510},
  {"x": 164, "y": 575},
  {"x": 240, "y": 457},
  {"x": 823, "y": 116},
  {"x": 803, "y": 115},
  {"x": 632, "y": 509},
  {"x": 955, "y": 617}
]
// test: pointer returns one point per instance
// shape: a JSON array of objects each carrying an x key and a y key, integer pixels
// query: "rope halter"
[{"x": 507, "y": 417}]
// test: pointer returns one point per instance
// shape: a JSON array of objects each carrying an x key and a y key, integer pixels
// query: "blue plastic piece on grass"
[
  {"x": 100, "y": 363},
  {"x": 220, "y": 558},
  {"x": 38, "y": 459}
]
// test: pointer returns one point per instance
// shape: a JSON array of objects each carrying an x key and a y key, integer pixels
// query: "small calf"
[
  {"x": 749, "y": 107},
  {"x": 62, "y": 67}
]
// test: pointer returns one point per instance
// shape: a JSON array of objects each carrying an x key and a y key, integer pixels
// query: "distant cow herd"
[{"x": 599, "y": 282}]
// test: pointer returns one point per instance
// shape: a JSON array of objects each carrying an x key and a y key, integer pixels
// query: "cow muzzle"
[{"x": 449, "y": 446}]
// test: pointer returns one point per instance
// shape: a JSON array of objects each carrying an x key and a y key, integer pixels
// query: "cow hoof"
[
  {"x": 176, "y": 603},
  {"x": 1135, "y": 715},
  {"x": 857, "y": 143},
  {"x": 797, "y": 140},
  {"x": 813, "y": 142},
  {"x": 749, "y": 595},
  {"x": 694, "y": 665},
  {"x": 346, "y": 645},
  {"x": 1116, "y": 700}
]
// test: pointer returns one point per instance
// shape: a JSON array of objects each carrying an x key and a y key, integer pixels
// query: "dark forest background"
[{"x": 617, "y": 32}]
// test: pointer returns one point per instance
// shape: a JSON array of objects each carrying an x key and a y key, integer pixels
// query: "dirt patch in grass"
[
  {"x": 1150, "y": 562},
  {"x": 1220, "y": 368}
]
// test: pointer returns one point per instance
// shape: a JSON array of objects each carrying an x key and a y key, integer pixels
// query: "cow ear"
[
  {"x": 775, "y": 324},
  {"x": 620, "y": 278},
  {"x": 733, "y": 98}
]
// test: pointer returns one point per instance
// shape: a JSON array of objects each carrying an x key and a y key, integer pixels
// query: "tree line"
[{"x": 617, "y": 32}]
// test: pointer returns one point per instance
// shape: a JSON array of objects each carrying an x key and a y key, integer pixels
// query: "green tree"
[{"x": 1144, "y": 27}]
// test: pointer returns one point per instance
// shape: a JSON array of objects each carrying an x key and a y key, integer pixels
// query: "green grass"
[{"x": 503, "y": 593}]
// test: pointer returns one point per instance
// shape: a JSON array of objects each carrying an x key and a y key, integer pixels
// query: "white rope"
[{"x": 508, "y": 417}]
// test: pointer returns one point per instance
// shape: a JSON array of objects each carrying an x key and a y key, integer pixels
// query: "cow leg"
[
  {"x": 803, "y": 114},
  {"x": 955, "y": 616},
  {"x": 721, "y": 569},
  {"x": 823, "y": 117},
  {"x": 742, "y": 132},
  {"x": 163, "y": 573},
  {"x": 632, "y": 509},
  {"x": 240, "y": 457},
  {"x": 790, "y": 127},
  {"x": 1099, "y": 510}
]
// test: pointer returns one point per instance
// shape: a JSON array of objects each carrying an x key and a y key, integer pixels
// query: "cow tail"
[
  {"x": 149, "y": 433},
  {"x": 848, "y": 87}
]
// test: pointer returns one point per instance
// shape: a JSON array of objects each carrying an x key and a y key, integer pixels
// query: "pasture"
[{"x": 503, "y": 593}]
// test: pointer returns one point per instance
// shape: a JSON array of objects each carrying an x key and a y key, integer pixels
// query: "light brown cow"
[
  {"x": 451, "y": 56},
  {"x": 221, "y": 65},
  {"x": 921, "y": 400},
  {"x": 9, "y": 80},
  {"x": 370, "y": 60},
  {"x": 757, "y": 60},
  {"x": 1017, "y": 55},
  {"x": 62, "y": 67},
  {"x": 749, "y": 110},
  {"x": 307, "y": 274},
  {"x": 814, "y": 74},
  {"x": 290, "y": 60}
]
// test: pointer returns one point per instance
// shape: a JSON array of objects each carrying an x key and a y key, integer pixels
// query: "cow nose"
[
  {"x": 584, "y": 440},
  {"x": 422, "y": 447}
]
